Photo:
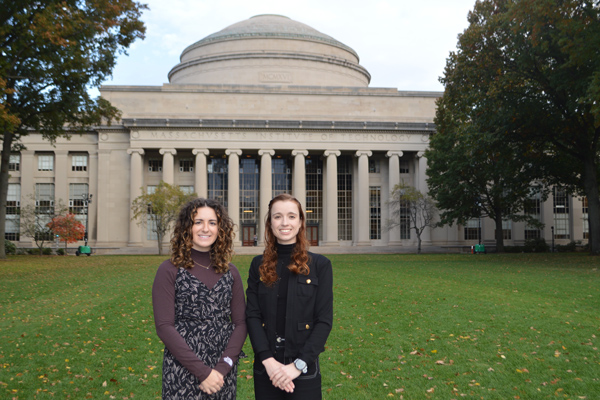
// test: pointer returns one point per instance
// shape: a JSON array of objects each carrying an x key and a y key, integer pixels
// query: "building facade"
[{"x": 265, "y": 106}]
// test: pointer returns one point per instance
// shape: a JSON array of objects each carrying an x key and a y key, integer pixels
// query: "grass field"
[{"x": 512, "y": 326}]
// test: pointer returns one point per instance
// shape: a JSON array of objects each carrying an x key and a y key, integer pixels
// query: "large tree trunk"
[
  {"x": 590, "y": 183},
  {"x": 7, "y": 139},
  {"x": 499, "y": 235}
]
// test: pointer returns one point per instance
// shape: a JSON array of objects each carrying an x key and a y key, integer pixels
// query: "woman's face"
[
  {"x": 205, "y": 229},
  {"x": 285, "y": 221}
]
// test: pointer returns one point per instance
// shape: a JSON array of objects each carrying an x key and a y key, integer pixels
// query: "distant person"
[
  {"x": 290, "y": 307},
  {"x": 199, "y": 307}
]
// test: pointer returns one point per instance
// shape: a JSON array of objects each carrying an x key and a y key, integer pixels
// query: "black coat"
[{"x": 309, "y": 313}]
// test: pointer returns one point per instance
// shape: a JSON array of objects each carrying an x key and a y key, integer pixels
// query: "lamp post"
[
  {"x": 87, "y": 199},
  {"x": 552, "y": 229}
]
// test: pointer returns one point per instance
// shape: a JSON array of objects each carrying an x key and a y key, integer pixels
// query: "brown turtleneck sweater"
[{"x": 163, "y": 301}]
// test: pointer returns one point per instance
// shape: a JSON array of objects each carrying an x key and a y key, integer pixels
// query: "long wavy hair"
[
  {"x": 299, "y": 259},
  {"x": 182, "y": 242}
]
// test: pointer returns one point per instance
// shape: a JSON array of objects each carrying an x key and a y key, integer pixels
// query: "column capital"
[
  {"x": 201, "y": 151},
  {"x": 328, "y": 153},
  {"x": 237, "y": 152},
  {"x": 61, "y": 152},
  {"x": 367, "y": 153},
  {"x": 300, "y": 152},
  {"x": 393, "y": 153},
  {"x": 262, "y": 152},
  {"x": 138, "y": 151},
  {"x": 421, "y": 154},
  {"x": 168, "y": 151}
]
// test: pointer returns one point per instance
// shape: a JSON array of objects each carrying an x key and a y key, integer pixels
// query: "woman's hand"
[
  {"x": 280, "y": 374},
  {"x": 213, "y": 383}
]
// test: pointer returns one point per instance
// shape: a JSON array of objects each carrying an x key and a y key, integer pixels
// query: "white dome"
[{"x": 270, "y": 50}]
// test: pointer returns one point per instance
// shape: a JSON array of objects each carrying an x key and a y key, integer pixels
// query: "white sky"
[{"x": 402, "y": 43}]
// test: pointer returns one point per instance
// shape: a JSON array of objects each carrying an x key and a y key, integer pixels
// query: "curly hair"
[
  {"x": 182, "y": 242},
  {"x": 300, "y": 258}
]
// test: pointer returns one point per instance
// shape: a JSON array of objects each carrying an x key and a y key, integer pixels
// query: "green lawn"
[{"x": 522, "y": 326}]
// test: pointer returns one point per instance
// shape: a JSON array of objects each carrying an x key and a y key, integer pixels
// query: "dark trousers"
[{"x": 307, "y": 386}]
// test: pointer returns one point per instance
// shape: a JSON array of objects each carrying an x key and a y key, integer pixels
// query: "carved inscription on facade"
[
  {"x": 275, "y": 76},
  {"x": 327, "y": 137}
]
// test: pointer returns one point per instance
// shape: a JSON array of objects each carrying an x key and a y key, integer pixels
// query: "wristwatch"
[{"x": 301, "y": 365}]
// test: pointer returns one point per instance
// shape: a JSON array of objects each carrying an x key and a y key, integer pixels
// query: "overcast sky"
[{"x": 402, "y": 43}]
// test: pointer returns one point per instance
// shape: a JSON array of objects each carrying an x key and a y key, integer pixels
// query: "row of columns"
[{"x": 330, "y": 236}]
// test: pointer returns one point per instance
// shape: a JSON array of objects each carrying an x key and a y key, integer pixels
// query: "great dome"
[{"x": 270, "y": 50}]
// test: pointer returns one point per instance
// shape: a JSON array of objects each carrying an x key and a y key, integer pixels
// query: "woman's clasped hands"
[
  {"x": 281, "y": 375},
  {"x": 213, "y": 383}
]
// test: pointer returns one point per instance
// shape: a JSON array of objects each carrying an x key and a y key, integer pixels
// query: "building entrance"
[
  {"x": 312, "y": 234},
  {"x": 248, "y": 232}
]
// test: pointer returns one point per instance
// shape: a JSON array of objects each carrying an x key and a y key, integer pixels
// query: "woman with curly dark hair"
[
  {"x": 199, "y": 306},
  {"x": 290, "y": 307}
]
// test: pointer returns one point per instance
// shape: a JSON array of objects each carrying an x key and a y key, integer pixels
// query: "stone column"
[
  {"x": 136, "y": 182},
  {"x": 101, "y": 198},
  {"x": 421, "y": 180},
  {"x": 168, "y": 165},
  {"x": 299, "y": 178},
  {"x": 201, "y": 173},
  {"x": 93, "y": 190},
  {"x": 266, "y": 189},
  {"x": 363, "y": 212},
  {"x": 233, "y": 192},
  {"x": 61, "y": 171},
  {"x": 331, "y": 208},
  {"x": 394, "y": 179}
]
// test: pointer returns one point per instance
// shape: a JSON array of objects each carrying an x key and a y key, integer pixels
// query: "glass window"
[
  {"x": 155, "y": 165},
  {"x": 314, "y": 190},
  {"x": 561, "y": 214},
  {"x": 374, "y": 166},
  {"x": 186, "y": 165},
  {"x": 44, "y": 205},
  {"x": 533, "y": 207},
  {"x": 78, "y": 192},
  {"x": 14, "y": 162},
  {"x": 375, "y": 203},
  {"x": 472, "y": 229},
  {"x": 79, "y": 162},
  {"x": 217, "y": 180},
  {"x": 282, "y": 176},
  {"x": 13, "y": 211},
  {"x": 187, "y": 189},
  {"x": 344, "y": 198},
  {"x": 404, "y": 167},
  {"x": 249, "y": 189},
  {"x": 45, "y": 162}
]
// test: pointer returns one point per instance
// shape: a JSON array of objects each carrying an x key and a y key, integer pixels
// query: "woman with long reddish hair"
[{"x": 290, "y": 307}]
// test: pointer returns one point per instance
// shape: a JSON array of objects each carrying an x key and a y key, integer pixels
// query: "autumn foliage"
[{"x": 68, "y": 229}]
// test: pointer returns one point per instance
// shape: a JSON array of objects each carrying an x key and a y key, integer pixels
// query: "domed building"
[{"x": 265, "y": 106}]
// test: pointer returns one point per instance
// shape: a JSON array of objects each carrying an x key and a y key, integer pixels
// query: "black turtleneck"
[{"x": 284, "y": 258}]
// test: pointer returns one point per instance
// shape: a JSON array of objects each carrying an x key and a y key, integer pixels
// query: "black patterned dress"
[{"x": 202, "y": 318}]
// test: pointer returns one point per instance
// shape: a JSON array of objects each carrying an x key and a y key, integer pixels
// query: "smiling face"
[
  {"x": 285, "y": 221},
  {"x": 205, "y": 229}
]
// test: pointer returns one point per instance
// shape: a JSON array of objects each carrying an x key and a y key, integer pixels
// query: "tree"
[
  {"x": 35, "y": 220},
  {"x": 472, "y": 172},
  {"x": 67, "y": 229},
  {"x": 52, "y": 52},
  {"x": 419, "y": 207},
  {"x": 159, "y": 209},
  {"x": 531, "y": 70}
]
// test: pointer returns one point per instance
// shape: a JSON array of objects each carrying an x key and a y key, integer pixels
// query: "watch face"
[{"x": 300, "y": 364}]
